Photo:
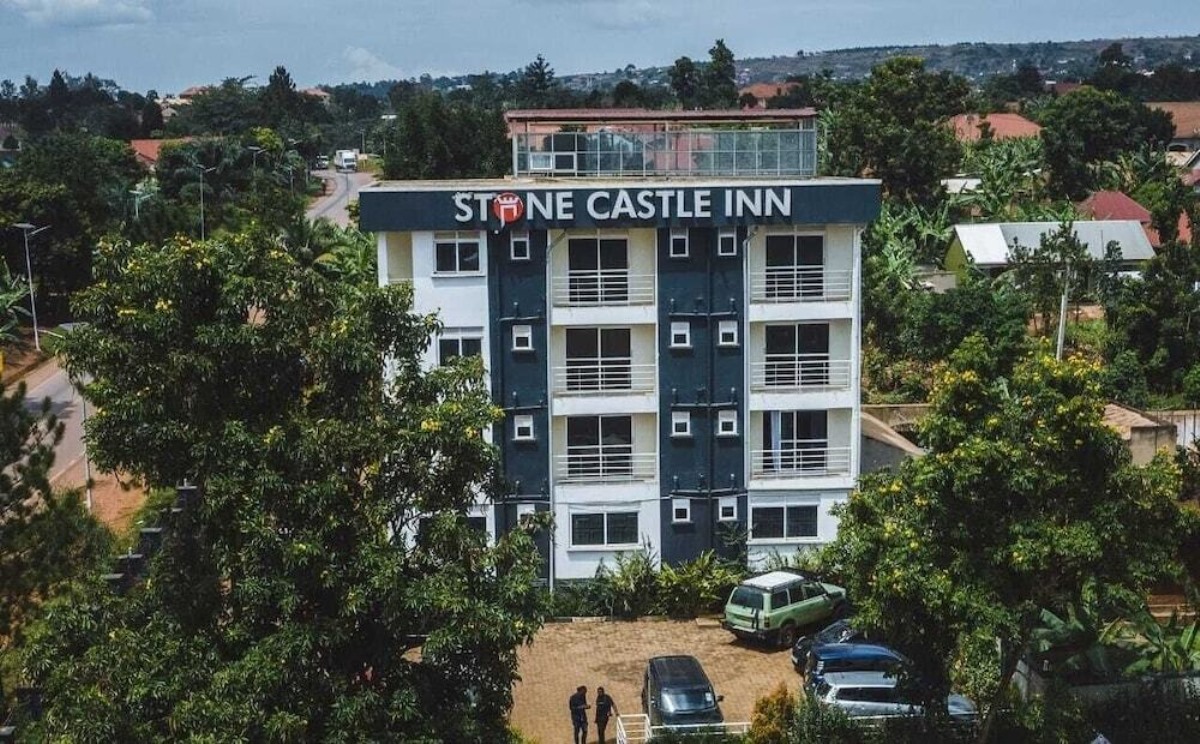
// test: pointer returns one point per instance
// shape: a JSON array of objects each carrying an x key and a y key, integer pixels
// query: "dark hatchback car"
[
  {"x": 839, "y": 631},
  {"x": 676, "y": 693},
  {"x": 828, "y": 658}
]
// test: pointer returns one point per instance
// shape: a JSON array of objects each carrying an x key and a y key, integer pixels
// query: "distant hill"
[{"x": 1057, "y": 60}]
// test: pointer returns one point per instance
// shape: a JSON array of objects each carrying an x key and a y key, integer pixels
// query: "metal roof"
[
  {"x": 773, "y": 579},
  {"x": 991, "y": 244},
  {"x": 617, "y": 116}
]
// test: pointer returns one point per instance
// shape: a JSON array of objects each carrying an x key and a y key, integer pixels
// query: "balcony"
[
  {"x": 609, "y": 375},
  {"x": 695, "y": 153},
  {"x": 611, "y": 463},
  {"x": 806, "y": 458},
  {"x": 602, "y": 287},
  {"x": 800, "y": 284},
  {"x": 804, "y": 372}
]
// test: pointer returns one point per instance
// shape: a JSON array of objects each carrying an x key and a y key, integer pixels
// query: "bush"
[
  {"x": 771, "y": 722},
  {"x": 578, "y": 599},
  {"x": 696, "y": 586},
  {"x": 815, "y": 723},
  {"x": 1164, "y": 711},
  {"x": 630, "y": 585}
]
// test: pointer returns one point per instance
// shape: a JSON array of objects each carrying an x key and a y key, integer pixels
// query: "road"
[
  {"x": 50, "y": 381},
  {"x": 345, "y": 189}
]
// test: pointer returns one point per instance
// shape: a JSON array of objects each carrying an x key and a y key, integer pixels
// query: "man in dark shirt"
[
  {"x": 605, "y": 707},
  {"x": 579, "y": 706}
]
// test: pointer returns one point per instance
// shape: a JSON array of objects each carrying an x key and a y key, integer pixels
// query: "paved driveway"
[{"x": 613, "y": 655}]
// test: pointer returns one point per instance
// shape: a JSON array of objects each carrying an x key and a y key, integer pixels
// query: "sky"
[{"x": 168, "y": 45}]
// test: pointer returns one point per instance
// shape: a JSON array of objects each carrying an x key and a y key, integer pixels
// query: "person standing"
[
  {"x": 605, "y": 708},
  {"x": 579, "y": 707}
]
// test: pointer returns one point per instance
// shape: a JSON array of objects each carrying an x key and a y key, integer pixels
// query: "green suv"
[{"x": 775, "y": 606}]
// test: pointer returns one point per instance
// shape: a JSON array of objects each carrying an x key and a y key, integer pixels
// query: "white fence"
[{"x": 636, "y": 728}]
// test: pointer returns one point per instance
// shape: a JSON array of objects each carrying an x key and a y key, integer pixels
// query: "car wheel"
[{"x": 788, "y": 635}]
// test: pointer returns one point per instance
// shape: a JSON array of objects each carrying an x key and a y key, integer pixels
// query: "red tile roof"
[
  {"x": 1113, "y": 205},
  {"x": 766, "y": 91},
  {"x": 147, "y": 151},
  {"x": 1186, "y": 115},
  {"x": 967, "y": 127}
]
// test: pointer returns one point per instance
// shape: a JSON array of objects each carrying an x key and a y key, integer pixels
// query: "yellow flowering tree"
[
  {"x": 329, "y": 539},
  {"x": 1022, "y": 497}
]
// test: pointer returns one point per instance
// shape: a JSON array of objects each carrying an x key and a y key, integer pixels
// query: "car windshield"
[
  {"x": 835, "y": 633},
  {"x": 683, "y": 701},
  {"x": 745, "y": 596}
]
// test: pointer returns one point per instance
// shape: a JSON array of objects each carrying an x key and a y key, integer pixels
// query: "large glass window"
[
  {"x": 599, "y": 446},
  {"x": 456, "y": 253},
  {"x": 797, "y": 355},
  {"x": 604, "y": 529},
  {"x": 782, "y": 522},
  {"x": 599, "y": 359},
  {"x": 598, "y": 270},
  {"x": 458, "y": 345},
  {"x": 795, "y": 440},
  {"x": 794, "y": 266}
]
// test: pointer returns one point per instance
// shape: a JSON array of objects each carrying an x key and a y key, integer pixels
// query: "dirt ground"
[
  {"x": 613, "y": 655},
  {"x": 114, "y": 500}
]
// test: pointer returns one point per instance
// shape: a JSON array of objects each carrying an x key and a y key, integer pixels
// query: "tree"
[
  {"x": 1059, "y": 262},
  {"x": 46, "y": 538},
  {"x": 536, "y": 84},
  {"x": 1023, "y": 497},
  {"x": 433, "y": 139},
  {"x": 894, "y": 127},
  {"x": 1089, "y": 126},
  {"x": 719, "y": 78},
  {"x": 328, "y": 540},
  {"x": 685, "y": 82}
]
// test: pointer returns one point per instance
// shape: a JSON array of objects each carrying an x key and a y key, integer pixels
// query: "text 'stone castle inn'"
[{"x": 677, "y": 358}]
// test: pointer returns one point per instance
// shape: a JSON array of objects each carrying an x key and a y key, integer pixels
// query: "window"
[
  {"x": 681, "y": 424},
  {"x": 522, "y": 338},
  {"x": 795, "y": 267},
  {"x": 782, "y": 522},
  {"x": 727, "y": 243},
  {"x": 518, "y": 246},
  {"x": 797, "y": 355},
  {"x": 727, "y": 333},
  {"x": 797, "y": 440},
  {"x": 727, "y": 508},
  {"x": 599, "y": 359},
  {"x": 456, "y": 253},
  {"x": 597, "y": 271},
  {"x": 477, "y": 524},
  {"x": 679, "y": 244},
  {"x": 681, "y": 510},
  {"x": 779, "y": 599},
  {"x": 455, "y": 344},
  {"x": 525, "y": 512},
  {"x": 604, "y": 529},
  {"x": 681, "y": 335},
  {"x": 600, "y": 448},
  {"x": 523, "y": 428},
  {"x": 727, "y": 423}
]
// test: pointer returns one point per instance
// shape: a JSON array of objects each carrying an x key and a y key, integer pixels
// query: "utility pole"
[{"x": 29, "y": 230}]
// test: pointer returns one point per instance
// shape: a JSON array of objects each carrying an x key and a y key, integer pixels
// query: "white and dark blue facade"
[{"x": 677, "y": 360}]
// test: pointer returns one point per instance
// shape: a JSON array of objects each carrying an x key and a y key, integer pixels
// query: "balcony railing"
[
  {"x": 595, "y": 287},
  {"x": 606, "y": 463},
  {"x": 610, "y": 375},
  {"x": 691, "y": 152},
  {"x": 800, "y": 372},
  {"x": 804, "y": 458},
  {"x": 800, "y": 284}
]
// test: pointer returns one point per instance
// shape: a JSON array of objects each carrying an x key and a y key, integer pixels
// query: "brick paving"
[{"x": 613, "y": 655}]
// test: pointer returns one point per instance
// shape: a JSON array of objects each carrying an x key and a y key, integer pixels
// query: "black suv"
[{"x": 676, "y": 693}]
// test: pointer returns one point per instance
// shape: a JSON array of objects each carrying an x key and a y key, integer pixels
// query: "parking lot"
[{"x": 613, "y": 655}]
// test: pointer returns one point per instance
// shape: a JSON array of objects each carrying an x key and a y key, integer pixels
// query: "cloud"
[
  {"x": 619, "y": 15},
  {"x": 366, "y": 65},
  {"x": 86, "y": 13}
]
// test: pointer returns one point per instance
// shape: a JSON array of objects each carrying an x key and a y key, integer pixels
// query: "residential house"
[
  {"x": 148, "y": 151},
  {"x": 674, "y": 341},
  {"x": 1186, "y": 115},
  {"x": 988, "y": 246},
  {"x": 971, "y": 127},
  {"x": 1114, "y": 205},
  {"x": 764, "y": 92}
]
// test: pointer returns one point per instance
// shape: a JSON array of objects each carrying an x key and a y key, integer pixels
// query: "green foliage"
[
  {"x": 1023, "y": 497},
  {"x": 815, "y": 723},
  {"x": 1155, "y": 320},
  {"x": 697, "y": 586},
  {"x": 706, "y": 85},
  {"x": 1162, "y": 711},
  {"x": 1160, "y": 648},
  {"x": 771, "y": 721},
  {"x": 1055, "y": 717},
  {"x": 893, "y": 127},
  {"x": 1089, "y": 126},
  {"x": 629, "y": 584},
  {"x": 328, "y": 541},
  {"x": 432, "y": 138},
  {"x": 1124, "y": 380},
  {"x": 633, "y": 587},
  {"x": 1059, "y": 262},
  {"x": 938, "y": 322}
]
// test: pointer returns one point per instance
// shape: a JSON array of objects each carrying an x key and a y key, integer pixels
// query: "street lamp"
[
  {"x": 139, "y": 196},
  {"x": 202, "y": 170},
  {"x": 29, "y": 230}
]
